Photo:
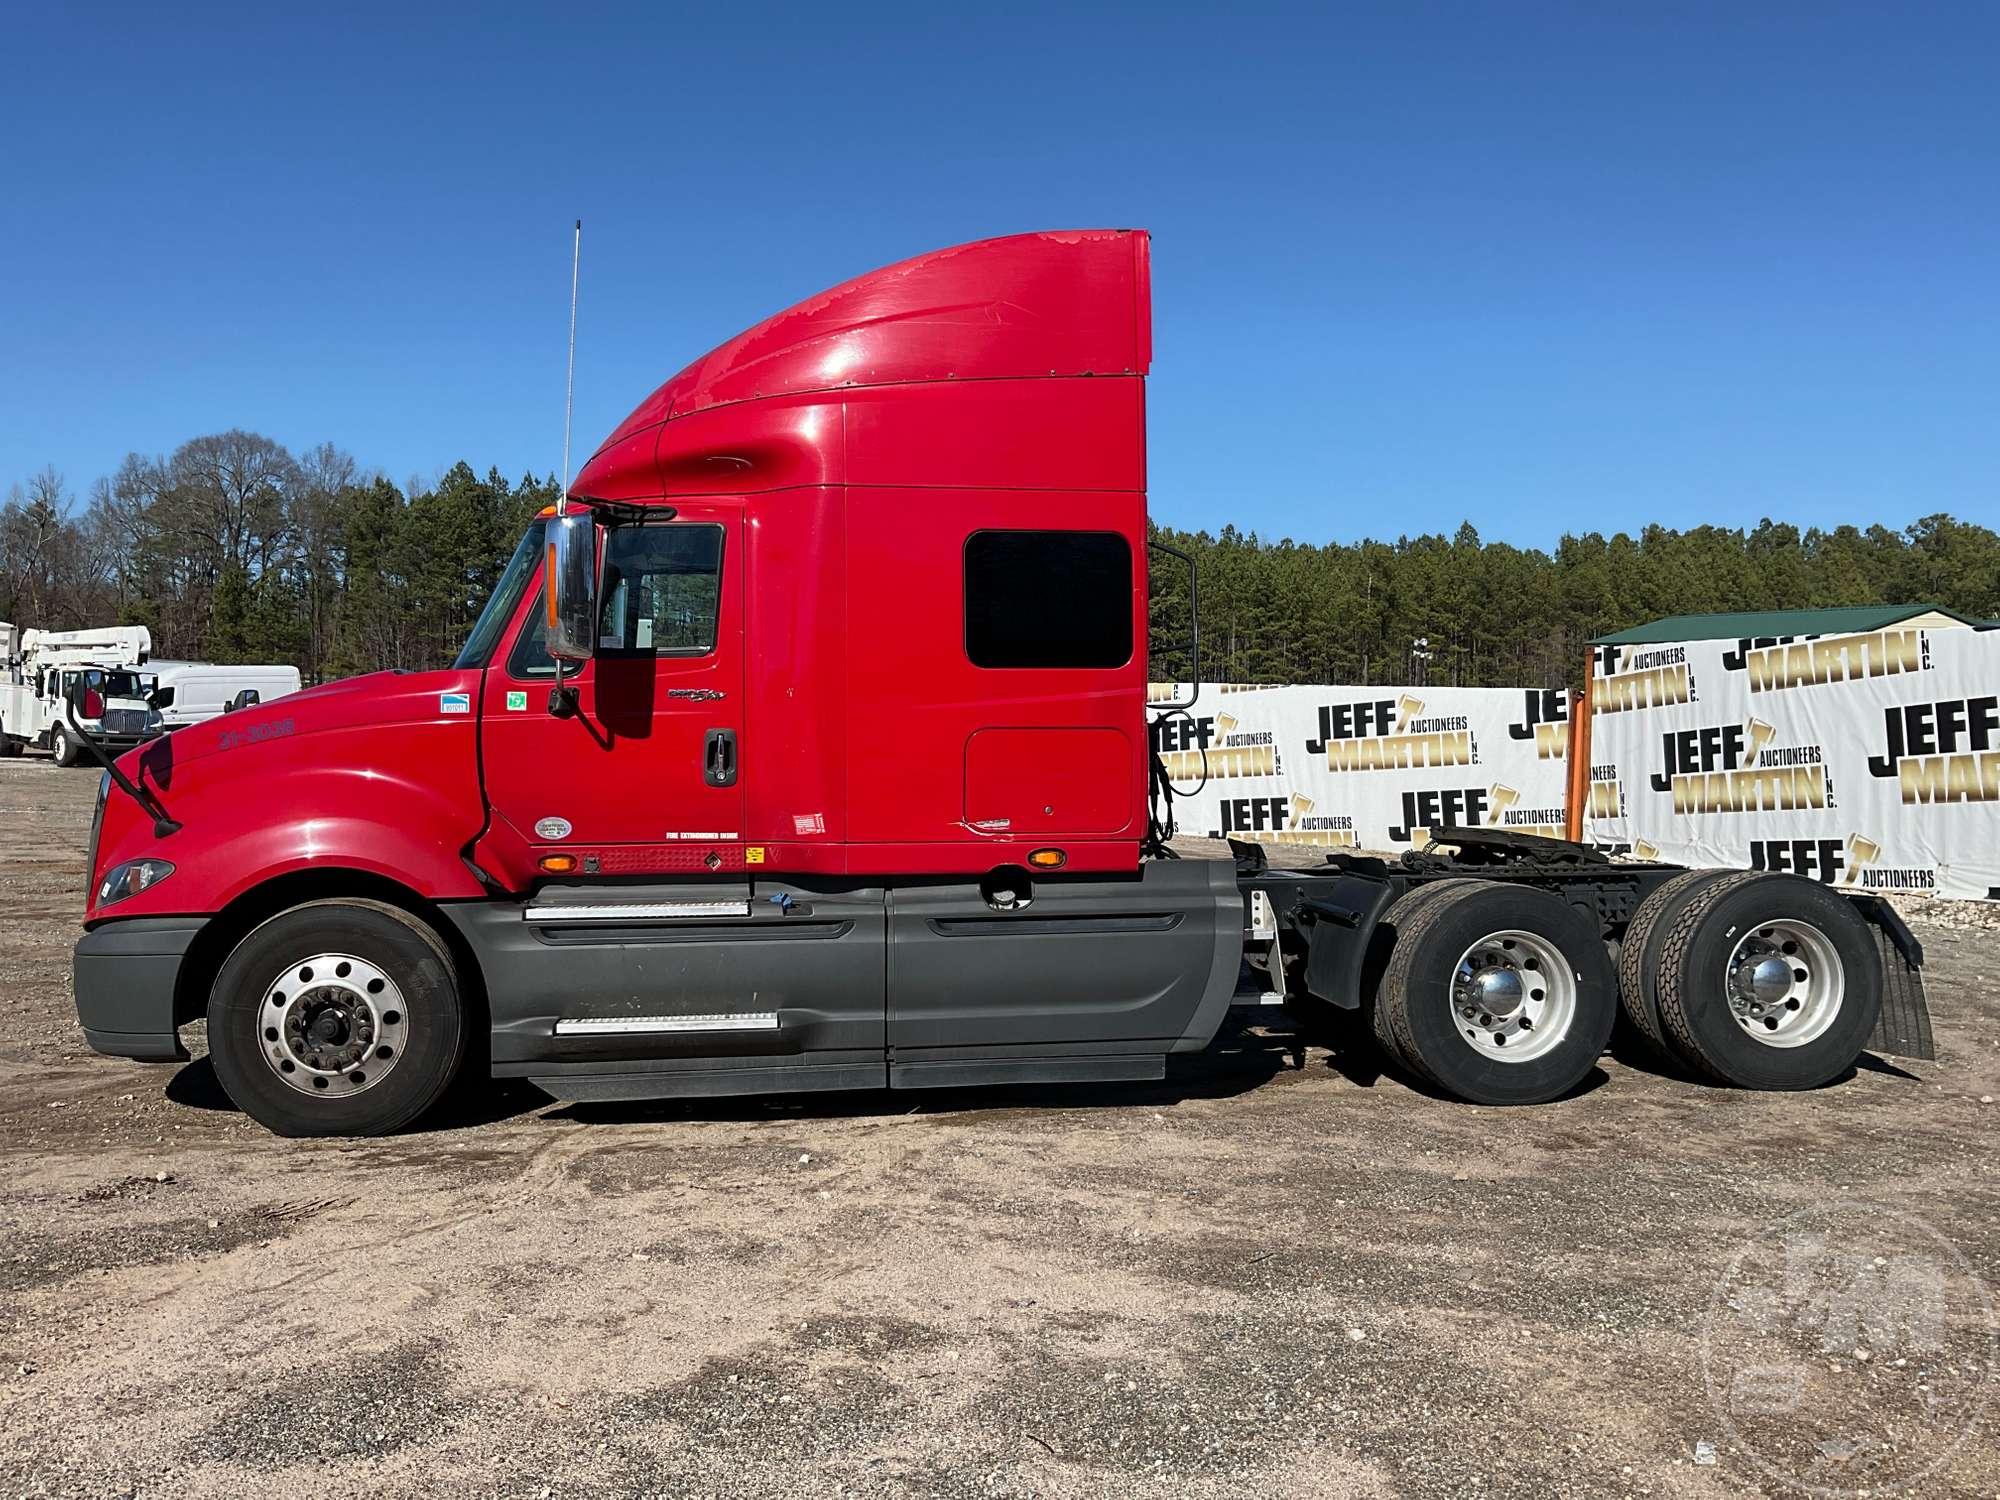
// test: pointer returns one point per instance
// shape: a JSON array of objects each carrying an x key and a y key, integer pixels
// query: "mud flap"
[
  {"x": 1904, "y": 1027},
  {"x": 1340, "y": 921}
]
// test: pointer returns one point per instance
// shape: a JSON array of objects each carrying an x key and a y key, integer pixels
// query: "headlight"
[{"x": 131, "y": 878}]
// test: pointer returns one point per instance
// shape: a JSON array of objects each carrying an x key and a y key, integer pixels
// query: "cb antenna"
[{"x": 569, "y": 392}]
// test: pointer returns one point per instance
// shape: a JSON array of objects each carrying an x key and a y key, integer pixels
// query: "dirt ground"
[{"x": 1257, "y": 1279}]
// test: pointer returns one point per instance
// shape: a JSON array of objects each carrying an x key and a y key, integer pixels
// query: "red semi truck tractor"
[{"x": 807, "y": 748}]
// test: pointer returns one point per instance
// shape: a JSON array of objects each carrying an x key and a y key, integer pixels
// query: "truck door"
[{"x": 640, "y": 773}]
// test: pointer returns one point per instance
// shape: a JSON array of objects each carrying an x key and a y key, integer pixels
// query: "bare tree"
[{"x": 326, "y": 477}]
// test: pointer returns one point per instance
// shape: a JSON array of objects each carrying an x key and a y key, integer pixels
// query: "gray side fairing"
[
  {"x": 816, "y": 958},
  {"x": 1142, "y": 966},
  {"x": 919, "y": 984}
]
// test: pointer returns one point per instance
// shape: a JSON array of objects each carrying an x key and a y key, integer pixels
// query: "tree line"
[
  {"x": 1460, "y": 611},
  {"x": 235, "y": 549}
]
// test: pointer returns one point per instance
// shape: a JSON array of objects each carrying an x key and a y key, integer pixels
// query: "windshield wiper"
[{"x": 163, "y": 822}]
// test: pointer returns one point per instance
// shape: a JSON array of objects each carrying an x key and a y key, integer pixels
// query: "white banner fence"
[
  {"x": 1870, "y": 762},
  {"x": 1363, "y": 767}
]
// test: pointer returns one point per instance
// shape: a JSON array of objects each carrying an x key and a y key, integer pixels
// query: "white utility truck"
[
  {"x": 47, "y": 664},
  {"x": 193, "y": 692}
]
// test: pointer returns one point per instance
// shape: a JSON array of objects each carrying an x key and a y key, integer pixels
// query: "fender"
[{"x": 374, "y": 775}]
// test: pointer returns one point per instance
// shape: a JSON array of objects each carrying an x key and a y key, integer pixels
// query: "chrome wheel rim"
[
  {"x": 332, "y": 1025},
  {"x": 1513, "y": 996},
  {"x": 1785, "y": 983}
]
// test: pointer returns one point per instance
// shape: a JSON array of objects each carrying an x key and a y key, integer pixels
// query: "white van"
[{"x": 200, "y": 690}]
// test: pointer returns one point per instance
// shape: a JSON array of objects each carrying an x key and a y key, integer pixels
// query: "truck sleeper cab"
[{"x": 805, "y": 747}]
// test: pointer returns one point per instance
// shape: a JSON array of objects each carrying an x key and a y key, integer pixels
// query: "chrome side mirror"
[{"x": 570, "y": 587}]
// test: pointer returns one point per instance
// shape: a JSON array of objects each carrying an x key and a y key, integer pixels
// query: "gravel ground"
[{"x": 1261, "y": 1278}]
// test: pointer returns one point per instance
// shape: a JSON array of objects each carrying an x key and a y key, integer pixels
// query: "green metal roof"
[{"x": 1850, "y": 619}]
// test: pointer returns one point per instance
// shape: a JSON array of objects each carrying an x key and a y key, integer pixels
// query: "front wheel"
[
  {"x": 337, "y": 1018},
  {"x": 1499, "y": 994},
  {"x": 62, "y": 746}
]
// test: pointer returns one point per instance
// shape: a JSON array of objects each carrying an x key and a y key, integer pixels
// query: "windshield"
[
  {"x": 507, "y": 593},
  {"x": 111, "y": 684}
]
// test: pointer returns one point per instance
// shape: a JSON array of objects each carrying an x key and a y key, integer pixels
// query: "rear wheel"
[
  {"x": 1398, "y": 919},
  {"x": 9, "y": 746},
  {"x": 337, "y": 1018},
  {"x": 1639, "y": 954},
  {"x": 1769, "y": 982},
  {"x": 63, "y": 746},
  {"x": 1499, "y": 994}
]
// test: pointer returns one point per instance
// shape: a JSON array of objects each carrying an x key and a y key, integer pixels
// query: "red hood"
[
  {"x": 378, "y": 699},
  {"x": 378, "y": 774}
]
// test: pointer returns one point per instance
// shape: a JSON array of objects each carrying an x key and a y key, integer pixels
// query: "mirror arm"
[
  {"x": 163, "y": 823},
  {"x": 562, "y": 696},
  {"x": 1194, "y": 627}
]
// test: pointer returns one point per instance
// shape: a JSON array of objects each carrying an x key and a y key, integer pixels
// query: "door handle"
[{"x": 718, "y": 757}]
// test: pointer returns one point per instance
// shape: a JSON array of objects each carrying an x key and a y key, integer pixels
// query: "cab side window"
[
  {"x": 662, "y": 592},
  {"x": 530, "y": 656}
]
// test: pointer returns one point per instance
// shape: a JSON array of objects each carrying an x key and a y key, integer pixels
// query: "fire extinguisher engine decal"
[{"x": 1362, "y": 767}]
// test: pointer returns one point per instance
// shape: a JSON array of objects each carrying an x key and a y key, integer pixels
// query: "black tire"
[
  {"x": 1417, "y": 998},
  {"x": 1401, "y": 913},
  {"x": 62, "y": 746},
  {"x": 1639, "y": 955},
  {"x": 432, "y": 1025},
  {"x": 9, "y": 746},
  {"x": 1693, "y": 986}
]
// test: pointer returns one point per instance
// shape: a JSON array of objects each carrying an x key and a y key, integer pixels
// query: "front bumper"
[{"x": 126, "y": 975}]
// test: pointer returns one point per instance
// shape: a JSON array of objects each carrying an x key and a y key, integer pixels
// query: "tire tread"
[
  {"x": 1642, "y": 1008},
  {"x": 1410, "y": 938},
  {"x": 1675, "y": 973},
  {"x": 1400, "y": 916}
]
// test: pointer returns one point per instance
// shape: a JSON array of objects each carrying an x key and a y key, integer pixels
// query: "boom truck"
[
  {"x": 100, "y": 668},
  {"x": 805, "y": 746}
]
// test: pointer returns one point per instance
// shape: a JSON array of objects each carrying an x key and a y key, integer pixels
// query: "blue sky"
[{"x": 1542, "y": 266}]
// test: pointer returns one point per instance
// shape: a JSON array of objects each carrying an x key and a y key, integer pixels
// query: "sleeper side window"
[{"x": 1048, "y": 599}]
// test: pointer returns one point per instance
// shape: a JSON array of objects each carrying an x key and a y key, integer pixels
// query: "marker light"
[
  {"x": 1048, "y": 859},
  {"x": 557, "y": 864}
]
